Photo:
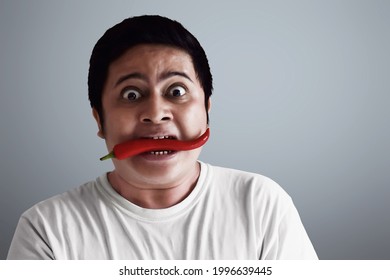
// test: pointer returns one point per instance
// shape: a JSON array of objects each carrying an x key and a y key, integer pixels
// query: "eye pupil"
[
  {"x": 131, "y": 96},
  {"x": 176, "y": 92}
]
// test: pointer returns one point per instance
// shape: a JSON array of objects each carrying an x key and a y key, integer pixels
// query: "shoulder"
[
  {"x": 257, "y": 193},
  {"x": 76, "y": 199},
  {"x": 44, "y": 228},
  {"x": 248, "y": 182}
]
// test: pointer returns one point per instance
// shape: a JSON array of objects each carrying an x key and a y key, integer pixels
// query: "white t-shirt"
[{"x": 230, "y": 214}]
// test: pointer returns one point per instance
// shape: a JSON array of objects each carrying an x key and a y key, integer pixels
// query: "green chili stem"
[{"x": 108, "y": 156}]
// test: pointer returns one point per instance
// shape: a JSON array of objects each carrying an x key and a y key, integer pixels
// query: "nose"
[{"x": 156, "y": 111}]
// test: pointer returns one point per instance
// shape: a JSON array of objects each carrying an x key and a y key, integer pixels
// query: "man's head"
[
  {"x": 138, "y": 31},
  {"x": 150, "y": 78}
]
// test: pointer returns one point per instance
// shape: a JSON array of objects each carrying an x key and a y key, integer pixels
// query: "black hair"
[{"x": 148, "y": 29}]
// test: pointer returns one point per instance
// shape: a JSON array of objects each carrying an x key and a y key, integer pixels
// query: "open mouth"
[
  {"x": 159, "y": 145},
  {"x": 160, "y": 152}
]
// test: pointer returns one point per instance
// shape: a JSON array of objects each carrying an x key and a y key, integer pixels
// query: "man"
[{"x": 149, "y": 78}]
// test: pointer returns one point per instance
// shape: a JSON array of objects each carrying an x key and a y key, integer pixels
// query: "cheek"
[
  {"x": 118, "y": 126},
  {"x": 198, "y": 113},
  {"x": 193, "y": 118}
]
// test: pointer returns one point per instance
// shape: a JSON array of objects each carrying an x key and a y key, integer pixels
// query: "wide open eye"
[
  {"x": 177, "y": 91},
  {"x": 131, "y": 94}
]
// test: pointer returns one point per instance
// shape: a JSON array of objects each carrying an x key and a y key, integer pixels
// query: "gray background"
[{"x": 301, "y": 95}]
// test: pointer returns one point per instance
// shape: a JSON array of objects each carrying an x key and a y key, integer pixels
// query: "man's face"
[{"x": 153, "y": 90}]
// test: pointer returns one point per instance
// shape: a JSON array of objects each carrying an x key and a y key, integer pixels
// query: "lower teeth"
[{"x": 160, "y": 153}]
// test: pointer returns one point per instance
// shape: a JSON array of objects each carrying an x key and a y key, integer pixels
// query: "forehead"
[{"x": 152, "y": 58}]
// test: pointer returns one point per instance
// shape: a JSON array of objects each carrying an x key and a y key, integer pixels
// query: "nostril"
[{"x": 149, "y": 120}]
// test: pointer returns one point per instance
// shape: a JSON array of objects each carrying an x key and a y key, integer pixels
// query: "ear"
[
  {"x": 97, "y": 119},
  {"x": 208, "y": 111}
]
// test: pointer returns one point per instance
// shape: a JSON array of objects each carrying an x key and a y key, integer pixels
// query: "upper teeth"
[
  {"x": 160, "y": 152},
  {"x": 161, "y": 137}
]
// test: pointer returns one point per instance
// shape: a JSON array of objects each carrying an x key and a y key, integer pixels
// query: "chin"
[{"x": 151, "y": 170}]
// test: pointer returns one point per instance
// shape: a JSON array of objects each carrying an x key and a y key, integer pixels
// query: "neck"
[{"x": 155, "y": 196}]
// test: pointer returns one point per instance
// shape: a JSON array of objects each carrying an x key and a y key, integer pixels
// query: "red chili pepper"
[{"x": 134, "y": 147}]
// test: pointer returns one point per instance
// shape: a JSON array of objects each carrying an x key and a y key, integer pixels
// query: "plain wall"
[{"x": 302, "y": 95}]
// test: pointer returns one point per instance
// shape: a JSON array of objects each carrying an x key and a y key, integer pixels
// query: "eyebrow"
[
  {"x": 163, "y": 76},
  {"x": 135, "y": 75}
]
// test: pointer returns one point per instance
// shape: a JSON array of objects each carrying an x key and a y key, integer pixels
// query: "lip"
[{"x": 156, "y": 133}]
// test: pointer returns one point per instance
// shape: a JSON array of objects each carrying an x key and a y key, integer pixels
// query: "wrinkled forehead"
[{"x": 152, "y": 61}]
